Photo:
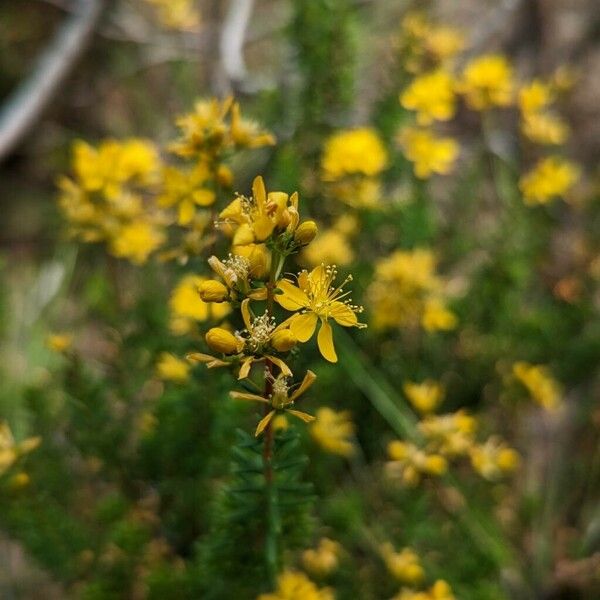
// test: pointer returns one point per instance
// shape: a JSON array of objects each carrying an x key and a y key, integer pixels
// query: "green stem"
[{"x": 402, "y": 420}]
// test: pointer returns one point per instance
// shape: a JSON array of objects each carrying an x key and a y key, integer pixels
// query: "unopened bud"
[
  {"x": 213, "y": 291},
  {"x": 221, "y": 340},
  {"x": 283, "y": 340},
  {"x": 306, "y": 233}
]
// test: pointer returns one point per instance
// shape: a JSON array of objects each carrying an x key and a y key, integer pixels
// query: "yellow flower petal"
[
  {"x": 281, "y": 364},
  {"x": 308, "y": 380},
  {"x": 259, "y": 191},
  {"x": 343, "y": 314},
  {"x": 301, "y": 415},
  {"x": 246, "y": 314},
  {"x": 245, "y": 368},
  {"x": 263, "y": 423},
  {"x": 186, "y": 212},
  {"x": 245, "y": 396},
  {"x": 303, "y": 326},
  {"x": 292, "y": 298},
  {"x": 325, "y": 342}
]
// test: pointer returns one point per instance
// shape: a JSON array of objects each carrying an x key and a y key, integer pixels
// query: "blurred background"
[{"x": 117, "y": 501}]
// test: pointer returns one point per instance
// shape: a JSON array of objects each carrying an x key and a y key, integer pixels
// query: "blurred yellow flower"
[
  {"x": 410, "y": 463},
  {"x": 176, "y": 14},
  {"x": 135, "y": 241},
  {"x": 105, "y": 169},
  {"x": 429, "y": 153},
  {"x": 334, "y": 432},
  {"x": 431, "y": 96},
  {"x": 535, "y": 97},
  {"x": 187, "y": 308},
  {"x": 487, "y": 81},
  {"x": 171, "y": 368},
  {"x": 452, "y": 434},
  {"x": 437, "y": 317},
  {"x": 331, "y": 247},
  {"x": 544, "y": 128},
  {"x": 425, "y": 396},
  {"x": 444, "y": 43},
  {"x": 186, "y": 190},
  {"x": 540, "y": 384},
  {"x": 59, "y": 342},
  {"x": 357, "y": 191},
  {"x": 324, "y": 559},
  {"x": 294, "y": 585},
  {"x": 552, "y": 177},
  {"x": 440, "y": 590},
  {"x": 10, "y": 451},
  {"x": 493, "y": 459},
  {"x": 404, "y": 289},
  {"x": 405, "y": 565},
  {"x": 352, "y": 152}
]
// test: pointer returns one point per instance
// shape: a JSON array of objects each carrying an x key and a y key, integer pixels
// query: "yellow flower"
[
  {"x": 451, "y": 435},
  {"x": 404, "y": 565},
  {"x": 114, "y": 163},
  {"x": 410, "y": 463},
  {"x": 538, "y": 380},
  {"x": 437, "y": 317},
  {"x": 492, "y": 459},
  {"x": 187, "y": 307},
  {"x": 431, "y": 96},
  {"x": 444, "y": 43},
  {"x": 171, "y": 368},
  {"x": 136, "y": 241},
  {"x": 544, "y": 128},
  {"x": 215, "y": 126},
  {"x": 254, "y": 219},
  {"x": 440, "y": 590},
  {"x": 425, "y": 396},
  {"x": 552, "y": 177},
  {"x": 403, "y": 290},
  {"x": 318, "y": 299},
  {"x": 280, "y": 399},
  {"x": 331, "y": 247},
  {"x": 334, "y": 432},
  {"x": 10, "y": 451},
  {"x": 429, "y": 153},
  {"x": 186, "y": 190},
  {"x": 535, "y": 97},
  {"x": 487, "y": 81},
  {"x": 357, "y": 191},
  {"x": 59, "y": 342},
  {"x": 324, "y": 559},
  {"x": 351, "y": 152},
  {"x": 176, "y": 14},
  {"x": 293, "y": 585}
]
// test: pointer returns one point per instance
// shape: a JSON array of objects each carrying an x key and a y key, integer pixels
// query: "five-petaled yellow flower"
[{"x": 318, "y": 300}]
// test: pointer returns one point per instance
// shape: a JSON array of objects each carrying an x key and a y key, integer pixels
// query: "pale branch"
[{"x": 23, "y": 108}]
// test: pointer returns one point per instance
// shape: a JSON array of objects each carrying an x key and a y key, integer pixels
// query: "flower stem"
[{"x": 272, "y": 508}]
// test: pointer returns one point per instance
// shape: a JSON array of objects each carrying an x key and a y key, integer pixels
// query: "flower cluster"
[
  {"x": 407, "y": 292},
  {"x": 322, "y": 560},
  {"x": 351, "y": 164},
  {"x": 265, "y": 229},
  {"x": 406, "y": 567},
  {"x": 124, "y": 194},
  {"x": 176, "y": 14},
  {"x": 485, "y": 83},
  {"x": 294, "y": 585},
  {"x": 444, "y": 438}
]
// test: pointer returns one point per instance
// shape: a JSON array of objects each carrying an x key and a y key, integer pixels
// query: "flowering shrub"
[{"x": 346, "y": 363}]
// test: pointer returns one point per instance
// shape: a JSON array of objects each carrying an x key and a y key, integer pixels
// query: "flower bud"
[
  {"x": 221, "y": 340},
  {"x": 213, "y": 291},
  {"x": 283, "y": 340},
  {"x": 258, "y": 256},
  {"x": 305, "y": 233}
]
